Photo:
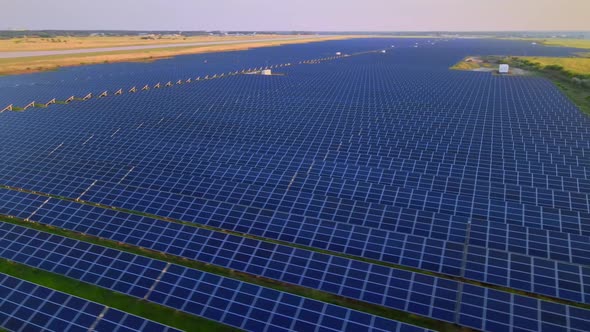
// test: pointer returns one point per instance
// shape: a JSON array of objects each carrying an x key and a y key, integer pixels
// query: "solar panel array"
[
  {"x": 30, "y": 307},
  {"x": 397, "y": 289},
  {"x": 232, "y": 302},
  {"x": 459, "y": 190}
]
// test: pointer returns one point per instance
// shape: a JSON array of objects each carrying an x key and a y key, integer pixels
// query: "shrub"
[{"x": 554, "y": 67}]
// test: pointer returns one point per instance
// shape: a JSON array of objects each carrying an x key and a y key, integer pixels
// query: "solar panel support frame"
[
  {"x": 31, "y": 104},
  {"x": 52, "y": 101}
]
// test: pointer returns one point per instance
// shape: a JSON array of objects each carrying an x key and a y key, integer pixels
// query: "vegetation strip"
[
  {"x": 294, "y": 245},
  {"x": 58, "y": 41},
  {"x": 129, "y": 304},
  {"x": 373, "y": 309},
  {"x": 557, "y": 42}
]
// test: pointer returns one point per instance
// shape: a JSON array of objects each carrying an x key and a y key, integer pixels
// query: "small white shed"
[
  {"x": 504, "y": 69},
  {"x": 338, "y": 53},
  {"x": 266, "y": 72}
]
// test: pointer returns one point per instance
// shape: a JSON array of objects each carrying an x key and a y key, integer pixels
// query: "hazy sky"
[{"x": 324, "y": 15}]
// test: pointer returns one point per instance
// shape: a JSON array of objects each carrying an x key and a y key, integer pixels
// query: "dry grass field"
[
  {"x": 560, "y": 42},
  {"x": 573, "y": 65},
  {"x": 11, "y": 66},
  {"x": 576, "y": 43},
  {"x": 70, "y": 43}
]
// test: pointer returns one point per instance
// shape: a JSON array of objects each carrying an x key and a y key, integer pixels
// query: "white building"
[{"x": 504, "y": 69}]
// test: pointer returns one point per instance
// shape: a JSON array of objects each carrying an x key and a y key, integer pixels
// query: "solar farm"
[{"x": 374, "y": 190}]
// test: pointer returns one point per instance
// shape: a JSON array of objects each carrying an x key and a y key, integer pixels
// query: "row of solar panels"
[
  {"x": 566, "y": 201},
  {"x": 392, "y": 212},
  {"x": 214, "y": 297},
  {"x": 397, "y": 289},
  {"x": 190, "y": 208},
  {"x": 559, "y": 210},
  {"x": 155, "y": 195},
  {"x": 542, "y": 171},
  {"x": 559, "y": 164},
  {"x": 244, "y": 158},
  {"x": 221, "y": 299},
  {"x": 445, "y": 227},
  {"x": 397, "y": 218},
  {"x": 29, "y": 307}
]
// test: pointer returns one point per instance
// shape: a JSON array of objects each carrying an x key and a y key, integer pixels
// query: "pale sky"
[{"x": 310, "y": 15}]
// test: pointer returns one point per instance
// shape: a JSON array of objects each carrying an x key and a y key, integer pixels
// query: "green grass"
[
  {"x": 142, "y": 308},
  {"x": 464, "y": 65},
  {"x": 571, "y": 66},
  {"x": 270, "y": 283},
  {"x": 557, "y": 42}
]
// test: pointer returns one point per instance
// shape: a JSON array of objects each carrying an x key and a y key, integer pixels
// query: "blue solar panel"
[
  {"x": 30, "y": 307},
  {"x": 419, "y": 294},
  {"x": 371, "y": 283},
  {"x": 430, "y": 254},
  {"x": 204, "y": 294},
  {"x": 390, "y": 157},
  {"x": 504, "y": 269}
]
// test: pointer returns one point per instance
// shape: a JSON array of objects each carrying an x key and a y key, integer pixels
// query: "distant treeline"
[
  {"x": 498, "y": 34},
  {"x": 84, "y": 33}
]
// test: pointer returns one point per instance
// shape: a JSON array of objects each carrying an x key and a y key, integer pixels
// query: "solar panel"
[
  {"x": 389, "y": 157},
  {"x": 437, "y": 256},
  {"x": 366, "y": 282},
  {"x": 402, "y": 290},
  {"x": 486, "y": 265},
  {"x": 29, "y": 307},
  {"x": 204, "y": 294}
]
